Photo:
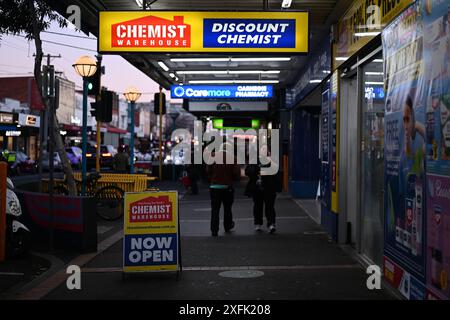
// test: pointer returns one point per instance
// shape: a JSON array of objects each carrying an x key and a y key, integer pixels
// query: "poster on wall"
[
  {"x": 437, "y": 76},
  {"x": 325, "y": 151},
  {"x": 334, "y": 111},
  {"x": 405, "y": 142}
]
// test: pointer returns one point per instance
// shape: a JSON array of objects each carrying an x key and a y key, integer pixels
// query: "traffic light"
[
  {"x": 156, "y": 103},
  {"x": 104, "y": 112},
  {"x": 94, "y": 83},
  {"x": 94, "y": 108}
]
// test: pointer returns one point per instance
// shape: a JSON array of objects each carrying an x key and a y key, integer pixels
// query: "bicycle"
[{"x": 110, "y": 198}]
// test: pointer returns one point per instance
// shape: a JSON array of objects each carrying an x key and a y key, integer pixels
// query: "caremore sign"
[
  {"x": 214, "y": 92},
  {"x": 198, "y": 31}
]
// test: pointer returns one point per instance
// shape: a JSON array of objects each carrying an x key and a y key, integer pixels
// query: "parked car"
[
  {"x": 57, "y": 163},
  {"x": 19, "y": 163},
  {"x": 106, "y": 157},
  {"x": 74, "y": 154}
]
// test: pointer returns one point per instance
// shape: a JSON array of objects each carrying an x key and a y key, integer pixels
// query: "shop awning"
[
  {"x": 113, "y": 129},
  {"x": 70, "y": 127}
]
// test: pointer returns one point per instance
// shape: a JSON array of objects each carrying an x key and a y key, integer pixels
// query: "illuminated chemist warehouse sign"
[{"x": 173, "y": 31}]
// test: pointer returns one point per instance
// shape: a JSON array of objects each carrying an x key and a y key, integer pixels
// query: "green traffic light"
[{"x": 90, "y": 86}]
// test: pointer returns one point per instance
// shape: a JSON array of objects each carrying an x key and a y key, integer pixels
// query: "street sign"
[
  {"x": 151, "y": 232},
  {"x": 218, "y": 92},
  {"x": 202, "y": 31}
]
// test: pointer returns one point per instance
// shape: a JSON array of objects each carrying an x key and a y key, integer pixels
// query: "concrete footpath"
[{"x": 297, "y": 262}]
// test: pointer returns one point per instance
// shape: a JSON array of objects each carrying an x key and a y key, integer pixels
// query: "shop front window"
[{"x": 372, "y": 160}]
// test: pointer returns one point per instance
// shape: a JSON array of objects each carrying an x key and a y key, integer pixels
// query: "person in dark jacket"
[
  {"x": 263, "y": 189},
  {"x": 222, "y": 177}
]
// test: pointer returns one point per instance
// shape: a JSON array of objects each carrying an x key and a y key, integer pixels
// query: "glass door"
[{"x": 372, "y": 166}]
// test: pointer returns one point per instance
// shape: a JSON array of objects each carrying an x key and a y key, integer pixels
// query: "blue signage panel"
[
  {"x": 150, "y": 249},
  {"x": 217, "y": 92},
  {"x": 249, "y": 33}
]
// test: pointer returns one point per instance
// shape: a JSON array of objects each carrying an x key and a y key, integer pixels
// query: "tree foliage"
[
  {"x": 31, "y": 17},
  {"x": 16, "y": 17}
]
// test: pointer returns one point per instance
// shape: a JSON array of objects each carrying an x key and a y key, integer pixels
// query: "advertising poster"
[
  {"x": 150, "y": 240},
  {"x": 410, "y": 287},
  {"x": 405, "y": 142},
  {"x": 325, "y": 190},
  {"x": 437, "y": 74},
  {"x": 334, "y": 102}
]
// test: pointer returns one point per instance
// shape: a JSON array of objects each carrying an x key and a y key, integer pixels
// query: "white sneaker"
[
  {"x": 272, "y": 228},
  {"x": 258, "y": 227}
]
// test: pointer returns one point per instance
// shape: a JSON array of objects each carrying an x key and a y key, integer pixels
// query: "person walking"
[
  {"x": 221, "y": 178},
  {"x": 121, "y": 160},
  {"x": 263, "y": 189}
]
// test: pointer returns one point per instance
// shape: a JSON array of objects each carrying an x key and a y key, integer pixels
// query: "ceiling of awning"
[{"x": 322, "y": 13}]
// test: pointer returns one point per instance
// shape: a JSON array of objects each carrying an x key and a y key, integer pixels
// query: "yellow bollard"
[{"x": 3, "y": 175}]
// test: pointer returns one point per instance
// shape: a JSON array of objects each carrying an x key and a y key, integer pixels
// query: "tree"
[{"x": 32, "y": 17}]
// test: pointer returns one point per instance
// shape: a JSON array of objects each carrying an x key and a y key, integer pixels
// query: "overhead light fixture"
[
  {"x": 374, "y": 83},
  {"x": 366, "y": 34},
  {"x": 286, "y": 4},
  {"x": 315, "y": 81},
  {"x": 163, "y": 66},
  {"x": 228, "y": 71},
  {"x": 261, "y": 59},
  {"x": 232, "y": 81},
  {"x": 253, "y": 71},
  {"x": 326, "y": 71},
  {"x": 341, "y": 58},
  {"x": 139, "y": 3},
  {"x": 371, "y": 73},
  {"x": 203, "y": 72},
  {"x": 378, "y": 60},
  {"x": 200, "y": 59},
  {"x": 172, "y": 74}
]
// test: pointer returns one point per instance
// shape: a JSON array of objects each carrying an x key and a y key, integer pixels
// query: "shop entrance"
[{"x": 372, "y": 161}]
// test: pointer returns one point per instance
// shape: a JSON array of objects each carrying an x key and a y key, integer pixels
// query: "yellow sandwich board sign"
[{"x": 151, "y": 232}]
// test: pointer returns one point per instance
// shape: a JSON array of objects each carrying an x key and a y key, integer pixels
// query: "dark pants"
[
  {"x": 219, "y": 196},
  {"x": 194, "y": 185},
  {"x": 259, "y": 200}
]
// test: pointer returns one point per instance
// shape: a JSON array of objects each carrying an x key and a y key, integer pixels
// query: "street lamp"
[
  {"x": 132, "y": 95},
  {"x": 85, "y": 67}
]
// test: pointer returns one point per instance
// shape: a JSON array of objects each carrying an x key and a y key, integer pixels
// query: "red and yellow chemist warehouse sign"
[
  {"x": 198, "y": 31},
  {"x": 151, "y": 234}
]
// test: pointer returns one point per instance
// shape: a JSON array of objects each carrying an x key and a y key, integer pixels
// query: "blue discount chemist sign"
[
  {"x": 215, "y": 92},
  {"x": 249, "y": 33}
]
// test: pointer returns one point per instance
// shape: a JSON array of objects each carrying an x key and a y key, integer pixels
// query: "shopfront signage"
[
  {"x": 201, "y": 31},
  {"x": 362, "y": 22},
  {"x": 151, "y": 232},
  {"x": 316, "y": 69},
  {"x": 29, "y": 120},
  {"x": 13, "y": 133},
  {"x": 217, "y": 92},
  {"x": 227, "y": 106},
  {"x": 6, "y": 118}
]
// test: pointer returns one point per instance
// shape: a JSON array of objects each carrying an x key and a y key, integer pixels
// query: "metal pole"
[
  {"x": 3, "y": 175},
  {"x": 173, "y": 158},
  {"x": 98, "y": 100},
  {"x": 132, "y": 137},
  {"x": 160, "y": 133},
  {"x": 84, "y": 138},
  {"x": 51, "y": 159}
]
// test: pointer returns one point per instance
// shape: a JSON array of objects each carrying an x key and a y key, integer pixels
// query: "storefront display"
[{"x": 405, "y": 142}]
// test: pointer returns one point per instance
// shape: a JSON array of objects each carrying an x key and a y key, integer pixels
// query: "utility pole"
[
  {"x": 43, "y": 130},
  {"x": 98, "y": 100}
]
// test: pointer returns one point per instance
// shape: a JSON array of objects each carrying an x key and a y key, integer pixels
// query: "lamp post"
[
  {"x": 132, "y": 95},
  {"x": 85, "y": 67}
]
